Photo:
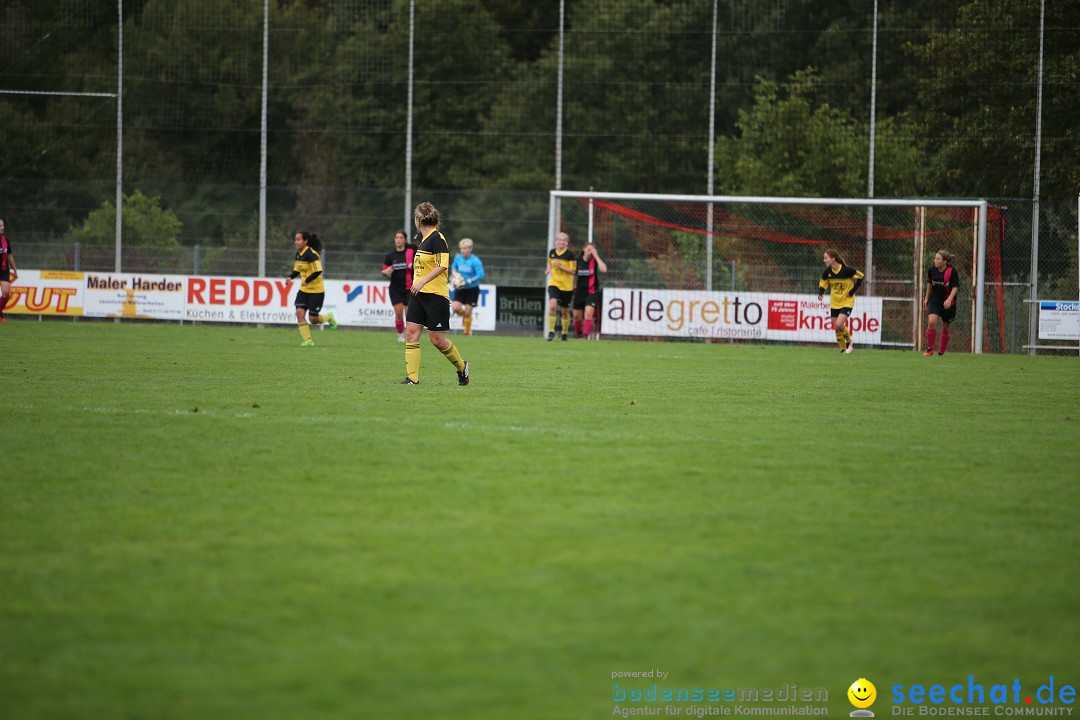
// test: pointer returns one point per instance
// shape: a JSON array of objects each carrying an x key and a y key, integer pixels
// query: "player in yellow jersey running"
[
  {"x": 842, "y": 282},
  {"x": 429, "y": 305},
  {"x": 562, "y": 272},
  {"x": 312, "y": 292}
]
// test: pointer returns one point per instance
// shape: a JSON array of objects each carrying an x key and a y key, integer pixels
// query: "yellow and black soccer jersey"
[
  {"x": 433, "y": 252},
  {"x": 839, "y": 284},
  {"x": 560, "y": 278},
  {"x": 307, "y": 264}
]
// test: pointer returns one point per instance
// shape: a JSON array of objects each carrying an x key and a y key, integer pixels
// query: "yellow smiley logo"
[{"x": 862, "y": 693}]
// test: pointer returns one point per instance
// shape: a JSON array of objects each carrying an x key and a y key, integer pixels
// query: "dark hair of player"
[{"x": 312, "y": 239}]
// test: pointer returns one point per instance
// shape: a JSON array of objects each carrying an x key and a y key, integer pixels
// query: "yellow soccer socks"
[
  {"x": 412, "y": 360},
  {"x": 451, "y": 353},
  {"x": 305, "y": 333}
]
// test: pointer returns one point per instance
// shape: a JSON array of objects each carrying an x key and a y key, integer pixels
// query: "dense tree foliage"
[
  {"x": 955, "y": 98},
  {"x": 789, "y": 143},
  {"x": 145, "y": 224},
  {"x": 977, "y": 103}
]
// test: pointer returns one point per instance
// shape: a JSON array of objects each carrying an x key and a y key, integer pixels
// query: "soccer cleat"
[
  {"x": 308, "y": 343},
  {"x": 849, "y": 348},
  {"x": 331, "y": 320},
  {"x": 463, "y": 375},
  {"x": 551, "y": 336},
  {"x": 928, "y": 353},
  {"x": 408, "y": 381},
  {"x": 564, "y": 336},
  {"x": 940, "y": 353},
  {"x": 467, "y": 332},
  {"x": 3, "y": 319},
  {"x": 401, "y": 337}
]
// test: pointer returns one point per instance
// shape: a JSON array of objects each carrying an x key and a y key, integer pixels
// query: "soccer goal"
[{"x": 747, "y": 268}]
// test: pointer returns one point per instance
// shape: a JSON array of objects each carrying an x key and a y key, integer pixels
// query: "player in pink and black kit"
[
  {"x": 8, "y": 273},
  {"x": 587, "y": 291},
  {"x": 397, "y": 265},
  {"x": 942, "y": 285}
]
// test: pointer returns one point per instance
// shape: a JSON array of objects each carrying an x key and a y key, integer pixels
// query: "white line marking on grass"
[{"x": 140, "y": 411}]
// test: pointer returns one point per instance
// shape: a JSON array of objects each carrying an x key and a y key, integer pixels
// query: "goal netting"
[{"x": 745, "y": 268}]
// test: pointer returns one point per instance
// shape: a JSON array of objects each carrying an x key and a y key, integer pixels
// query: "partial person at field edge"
[
  {"x": 942, "y": 285},
  {"x": 429, "y": 305},
  {"x": 562, "y": 271},
  {"x": 842, "y": 282},
  {"x": 587, "y": 292},
  {"x": 471, "y": 270},
  {"x": 8, "y": 273},
  {"x": 312, "y": 292},
  {"x": 397, "y": 265}
]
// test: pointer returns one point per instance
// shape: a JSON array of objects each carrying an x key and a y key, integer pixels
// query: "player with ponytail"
[
  {"x": 842, "y": 282},
  {"x": 942, "y": 286},
  {"x": 312, "y": 292}
]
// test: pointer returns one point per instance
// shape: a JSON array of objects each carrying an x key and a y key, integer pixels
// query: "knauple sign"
[{"x": 738, "y": 315}]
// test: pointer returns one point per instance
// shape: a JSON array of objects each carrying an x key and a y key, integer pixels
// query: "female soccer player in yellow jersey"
[
  {"x": 562, "y": 272},
  {"x": 312, "y": 292},
  {"x": 842, "y": 282},
  {"x": 429, "y": 305}
]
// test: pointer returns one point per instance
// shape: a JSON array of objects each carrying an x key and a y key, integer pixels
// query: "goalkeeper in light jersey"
[{"x": 471, "y": 271}]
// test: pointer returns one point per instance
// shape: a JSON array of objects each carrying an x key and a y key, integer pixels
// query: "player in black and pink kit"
[
  {"x": 942, "y": 285},
  {"x": 587, "y": 290},
  {"x": 397, "y": 265},
  {"x": 8, "y": 273}
]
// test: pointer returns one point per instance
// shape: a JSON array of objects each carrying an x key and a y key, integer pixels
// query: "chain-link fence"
[{"x": 757, "y": 248}]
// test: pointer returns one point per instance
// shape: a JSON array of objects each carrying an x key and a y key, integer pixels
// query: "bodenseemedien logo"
[{"x": 862, "y": 695}]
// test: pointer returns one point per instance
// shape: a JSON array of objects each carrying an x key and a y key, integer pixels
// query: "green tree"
[
  {"x": 192, "y": 98},
  {"x": 789, "y": 143},
  {"x": 45, "y": 50},
  {"x": 977, "y": 100},
  {"x": 635, "y": 112},
  {"x": 145, "y": 223}
]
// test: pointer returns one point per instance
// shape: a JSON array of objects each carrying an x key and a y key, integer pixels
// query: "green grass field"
[{"x": 213, "y": 523}]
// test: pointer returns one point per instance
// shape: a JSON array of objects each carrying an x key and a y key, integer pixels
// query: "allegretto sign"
[{"x": 733, "y": 315}]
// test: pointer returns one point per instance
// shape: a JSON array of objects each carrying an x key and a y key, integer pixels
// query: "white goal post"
[{"x": 688, "y": 242}]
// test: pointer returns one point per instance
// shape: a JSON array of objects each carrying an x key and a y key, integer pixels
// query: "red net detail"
[{"x": 777, "y": 248}]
